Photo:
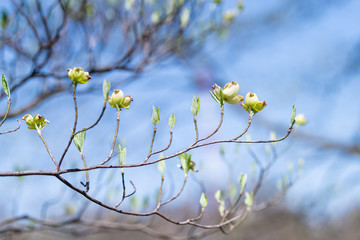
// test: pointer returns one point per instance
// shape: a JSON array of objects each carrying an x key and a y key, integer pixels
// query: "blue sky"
[{"x": 296, "y": 56}]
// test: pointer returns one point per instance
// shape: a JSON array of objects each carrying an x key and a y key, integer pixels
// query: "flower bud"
[
  {"x": 216, "y": 90},
  {"x": 35, "y": 122},
  {"x": 234, "y": 100},
  {"x": 252, "y": 103},
  {"x": 77, "y": 75},
  {"x": 117, "y": 100},
  {"x": 230, "y": 93},
  {"x": 126, "y": 102},
  {"x": 301, "y": 119},
  {"x": 230, "y": 90}
]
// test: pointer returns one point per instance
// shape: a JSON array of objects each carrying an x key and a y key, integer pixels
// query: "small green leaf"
[
  {"x": 185, "y": 160},
  {"x": 161, "y": 166},
  {"x": 195, "y": 106},
  {"x": 79, "y": 141},
  {"x": 155, "y": 118},
  {"x": 122, "y": 155},
  {"x": 293, "y": 116},
  {"x": 243, "y": 181},
  {"x": 5, "y": 86},
  {"x": 214, "y": 97},
  {"x": 171, "y": 121},
  {"x": 203, "y": 200},
  {"x": 249, "y": 199},
  {"x": 106, "y": 89},
  {"x": 221, "y": 208},
  {"x": 221, "y": 97},
  {"x": 219, "y": 195}
]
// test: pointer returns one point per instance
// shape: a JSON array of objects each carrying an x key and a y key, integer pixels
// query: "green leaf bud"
[
  {"x": 293, "y": 116},
  {"x": 243, "y": 180},
  {"x": 249, "y": 199},
  {"x": 171, "y": 121},
  {"x": 122, "y": 155},
  {"x": 219, "y": 195},
  {"x": 106, "y": 89},
  {"x": 77, "y": 75},
  {"x": 5, "y": 86},
  {"x": 195, "y": 106},
  {"x": 161, "y": 164},
  {"x": 221, "y": 208},
  {"x": 203, "y": 200},
  {"x": 79, "y": 141},
  {"x": 186, "y": 163},
  {"x": 155, "y": 117}
]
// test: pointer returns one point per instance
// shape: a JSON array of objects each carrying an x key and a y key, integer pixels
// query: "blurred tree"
[{"x": 39, "y": 39}]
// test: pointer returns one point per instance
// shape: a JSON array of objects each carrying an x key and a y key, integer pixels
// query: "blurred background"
[{"x": 303, "y": 53}]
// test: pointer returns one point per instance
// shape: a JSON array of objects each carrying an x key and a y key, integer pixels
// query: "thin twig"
[
  {"x": 247, "y": 127},
  {"x": 115, "y": 137},
  {"x": 47, "y": 147},
  {"x": 14, "y": 130},
  {"x": 73, "y": 130},
  {"x": 151, "y": 144},
  {"x": 7, "y": 111}
]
